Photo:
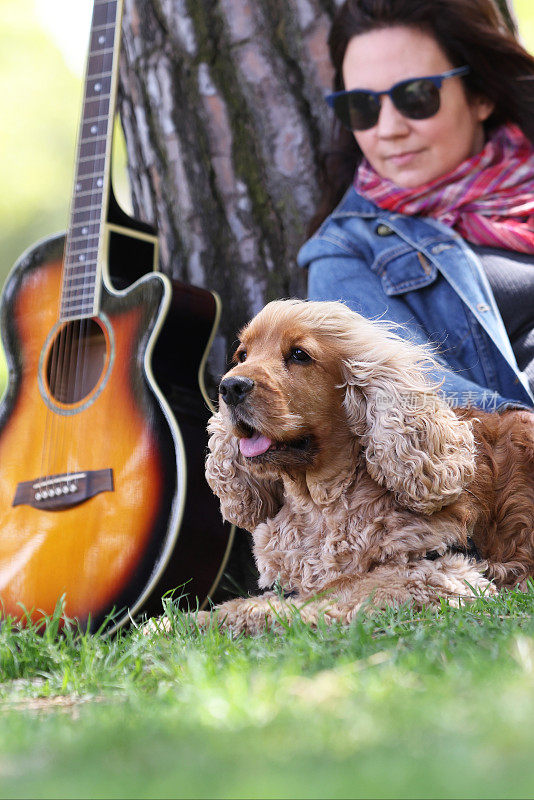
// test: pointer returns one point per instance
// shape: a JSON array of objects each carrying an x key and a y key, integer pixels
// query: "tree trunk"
[{"x": 223, "y": 117}]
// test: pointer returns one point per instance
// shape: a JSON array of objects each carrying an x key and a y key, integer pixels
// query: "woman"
[{"x": 435, "y": 102}]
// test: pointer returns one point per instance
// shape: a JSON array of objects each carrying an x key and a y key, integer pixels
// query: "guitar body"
[{"x": 94, "y": 472}]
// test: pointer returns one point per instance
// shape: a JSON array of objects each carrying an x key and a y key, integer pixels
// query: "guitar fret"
[
  {"x": 88, "y": 237},
  {"x": 86, "y": 183},
  {"x": 78, "y": 289},
  {"x": 75, "y": 269},
  {"x": 81, "y": 300},
  {"x": 85, "y": 175},
  {"x": 75, "y": 304},
  {"x": 75, "y": 285},
  {"x": 105, "y": 74},
  {"x": 89, "y": 256},
  {"x": 83, "y": 276},
  {"x": 87, "y": 208},
  {"x": 93, "y": 138},
  {"x": 71, "y": 273},
  {"x": 86, "y": 216},
  {"x": 103, "y": 52},
  {"x": 88, "y": 285},
  {"x": 97, "y": 97},
  {"x": 96, "y": 108},
  {"x": 84, "y": 230},
  {"x": 100, "y": 134},
  {"x": 100, "y": 63},
  {"x": 95, "y": 51},
  {"x": 78, "y": 300},
  {"x": 70, "y": 313},
  {"x": 84, "y": 205},
  {"x": 85, "y": 281},
  {"x": 86, "y": 202},
  {"x": 99, "y": 169},
  {"x": 98, "y": 147},
  {"x": 74, "y": 314},
  {"x": 90, "y": 158},
  {"x": 96, "y": 101},
  {"x": 80, "y": 279},
  {"x": 74, "y": 297},
  {"x": 95, "y": 119},
  {"x": 76, "y": 307},
  {"x": 75, "y": 252},
  {"x": 89, "y": 269},
  {"x": 79, "y": 267},
  {"x": 85, "y": 257},
  {"x": 101, "y": 89}
]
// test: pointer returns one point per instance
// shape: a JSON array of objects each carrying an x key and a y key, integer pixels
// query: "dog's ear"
[
  {"x": 245, "y": 500},
  {"x": 414, "y": 443}
]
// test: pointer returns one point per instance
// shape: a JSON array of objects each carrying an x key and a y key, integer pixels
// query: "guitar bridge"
[{"x": 58, "y": 492}]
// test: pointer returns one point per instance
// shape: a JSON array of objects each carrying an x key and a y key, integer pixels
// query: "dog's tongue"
[{"x": 254, "y": 445}]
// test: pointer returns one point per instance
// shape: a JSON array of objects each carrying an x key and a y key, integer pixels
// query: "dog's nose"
[{"x": 234, "y": 390}]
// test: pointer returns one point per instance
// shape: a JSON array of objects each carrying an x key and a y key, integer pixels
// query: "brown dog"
[{"x": 354, "y": 476}]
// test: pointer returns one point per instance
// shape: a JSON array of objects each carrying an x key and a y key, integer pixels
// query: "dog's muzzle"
[{"x": 234, "y": 390}]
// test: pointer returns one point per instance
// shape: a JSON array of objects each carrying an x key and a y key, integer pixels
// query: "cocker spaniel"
[{"x": 356, "y": 479}]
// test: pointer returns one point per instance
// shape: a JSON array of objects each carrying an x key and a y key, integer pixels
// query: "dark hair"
[{"x": 469, "y": 32}]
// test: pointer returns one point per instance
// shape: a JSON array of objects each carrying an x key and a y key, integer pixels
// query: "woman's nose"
[{"x": 391, "y": 123}]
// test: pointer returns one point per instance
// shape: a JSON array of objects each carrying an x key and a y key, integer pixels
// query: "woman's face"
[{"x": 406, "y": 151}]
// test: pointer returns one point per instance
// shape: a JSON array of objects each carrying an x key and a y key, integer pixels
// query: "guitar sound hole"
[{"x": 76, "y": 360}]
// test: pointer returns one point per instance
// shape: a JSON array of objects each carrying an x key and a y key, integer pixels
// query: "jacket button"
[{"x": 384, "y": 230}]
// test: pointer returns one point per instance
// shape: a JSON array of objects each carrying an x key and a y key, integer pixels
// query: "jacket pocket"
[{"x": 403, "y": 269}]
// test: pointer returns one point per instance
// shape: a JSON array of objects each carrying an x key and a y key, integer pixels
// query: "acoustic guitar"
[{"x": 103, "y": 500}]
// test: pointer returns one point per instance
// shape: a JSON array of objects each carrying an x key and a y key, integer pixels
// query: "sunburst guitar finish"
[{"x": 93, "y": 470}]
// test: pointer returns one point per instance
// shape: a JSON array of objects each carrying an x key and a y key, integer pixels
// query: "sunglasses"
[{"x": 416, "y": 98}]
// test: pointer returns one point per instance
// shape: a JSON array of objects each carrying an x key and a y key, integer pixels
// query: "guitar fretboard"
[{"x": 81, "y": 279}]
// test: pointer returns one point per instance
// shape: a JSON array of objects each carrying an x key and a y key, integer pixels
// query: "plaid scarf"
[{"x": 488, "y": 199}]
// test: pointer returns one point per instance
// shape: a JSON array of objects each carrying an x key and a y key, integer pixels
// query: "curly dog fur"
[{"x": 333, "y": 447}]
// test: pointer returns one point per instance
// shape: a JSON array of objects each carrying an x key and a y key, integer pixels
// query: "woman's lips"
[{"x": 400, "y": 159}]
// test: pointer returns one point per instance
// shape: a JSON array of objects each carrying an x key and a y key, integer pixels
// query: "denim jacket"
[{"x": 419, "y": 273}]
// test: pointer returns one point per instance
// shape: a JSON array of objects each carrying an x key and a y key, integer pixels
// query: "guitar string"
[
  {"x": 51, "y": 371},
  {"x": 62, "y": 420}
]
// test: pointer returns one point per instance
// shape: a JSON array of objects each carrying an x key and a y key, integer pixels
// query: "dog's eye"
[
  {"x": 241, "y": 356},
  {"x": 299, "y": 356}
]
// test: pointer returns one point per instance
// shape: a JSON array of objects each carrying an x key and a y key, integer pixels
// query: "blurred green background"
[{"x": 42, "y": 53}]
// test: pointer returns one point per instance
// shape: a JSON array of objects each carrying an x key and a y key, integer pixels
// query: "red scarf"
[{"x": 488, "y": 199}]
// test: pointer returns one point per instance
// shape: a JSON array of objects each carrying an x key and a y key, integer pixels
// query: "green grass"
[{"x": 401, "y": 704}]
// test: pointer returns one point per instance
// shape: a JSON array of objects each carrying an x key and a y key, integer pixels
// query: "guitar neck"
[{"x": 80, "y": 292}]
